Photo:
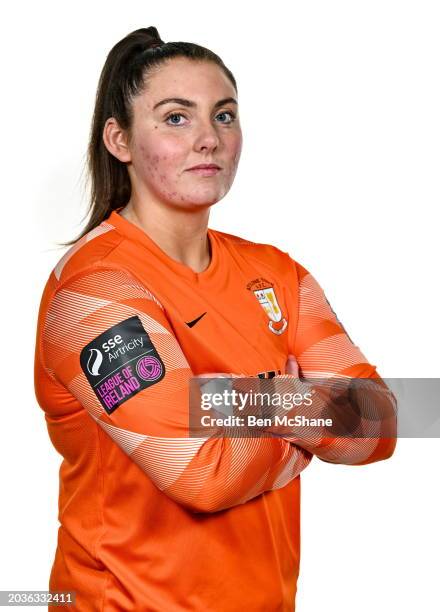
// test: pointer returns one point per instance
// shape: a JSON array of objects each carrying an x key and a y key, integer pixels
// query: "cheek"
[
  {"x": 161, "y": 159},
  {"x": 235, "y": 149}
]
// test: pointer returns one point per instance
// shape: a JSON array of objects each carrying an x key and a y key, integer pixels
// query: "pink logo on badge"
[{"x": 149, "y": 368}]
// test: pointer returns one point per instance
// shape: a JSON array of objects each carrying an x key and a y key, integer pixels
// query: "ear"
[{"x": 115, "y": 140}]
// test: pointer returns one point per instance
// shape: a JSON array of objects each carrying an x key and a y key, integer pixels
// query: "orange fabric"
[{"x": 151, "y": 519}]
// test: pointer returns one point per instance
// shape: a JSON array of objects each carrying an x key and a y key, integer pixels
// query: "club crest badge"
[{"x": 265, "y": 294}]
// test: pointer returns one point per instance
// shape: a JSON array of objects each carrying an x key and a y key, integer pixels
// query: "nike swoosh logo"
[{"x": 192, "y": 323}]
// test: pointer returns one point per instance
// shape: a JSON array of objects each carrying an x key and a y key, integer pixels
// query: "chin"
[{"x": 197, "y": 200}]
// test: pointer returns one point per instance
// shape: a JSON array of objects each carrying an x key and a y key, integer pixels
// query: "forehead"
[{"x": 200, "y": 81}]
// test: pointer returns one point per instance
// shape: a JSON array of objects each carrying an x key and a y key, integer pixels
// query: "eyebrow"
[{"x": 191, "y": 104}]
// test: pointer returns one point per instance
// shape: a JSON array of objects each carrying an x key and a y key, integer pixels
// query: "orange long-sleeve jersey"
[{"x": 152, "y": 519}]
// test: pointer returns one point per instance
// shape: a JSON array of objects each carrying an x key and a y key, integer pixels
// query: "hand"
[
  {"x": 292, "y": 367},
  {"x": 217, "y": 375},
  {"x": 211, "y": 387}
]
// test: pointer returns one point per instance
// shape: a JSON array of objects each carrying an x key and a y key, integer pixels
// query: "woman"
[{"x": 146, "y": 298}]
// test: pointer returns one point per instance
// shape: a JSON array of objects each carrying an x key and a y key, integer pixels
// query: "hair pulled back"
[{"x": 123, "y": 77}]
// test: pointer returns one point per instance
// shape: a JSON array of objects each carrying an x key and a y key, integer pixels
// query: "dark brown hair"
[{"x": 123, "y": 77}]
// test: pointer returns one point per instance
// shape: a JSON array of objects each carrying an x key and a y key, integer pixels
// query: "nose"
[{"x": 207, "y": 137}]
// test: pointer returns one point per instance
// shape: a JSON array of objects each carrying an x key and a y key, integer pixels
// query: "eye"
[
  {"x": 173, "y": 115},
  {"x": 170, "y": 117},
  {"x": 230, "y": 113}
]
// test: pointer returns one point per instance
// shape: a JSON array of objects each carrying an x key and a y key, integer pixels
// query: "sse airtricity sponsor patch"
[{"x": 121, "y": 362}]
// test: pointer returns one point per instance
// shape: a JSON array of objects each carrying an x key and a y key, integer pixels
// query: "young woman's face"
[{"x": 170, "y": 137}]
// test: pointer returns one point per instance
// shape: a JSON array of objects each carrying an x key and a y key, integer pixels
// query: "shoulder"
[
  {"x": 250, "y": 248},
  {"x": 84, "y": 272},
  {"x": 91, "y": 274},
  {"x": 260, "y": 252},
  {"x": 87, "y": 252}
]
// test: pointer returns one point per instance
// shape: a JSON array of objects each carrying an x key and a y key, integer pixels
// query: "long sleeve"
[
  {"x": 108, "y": 341},
  {"x": 362, "y": 411}
]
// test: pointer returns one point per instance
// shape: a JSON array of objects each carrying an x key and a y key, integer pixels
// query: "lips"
[
  {"x": 205, "y": 170},
  {"x": 205, "y": 167}
]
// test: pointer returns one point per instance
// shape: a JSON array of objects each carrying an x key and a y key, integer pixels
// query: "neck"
[{"x": 181, "y": 234}]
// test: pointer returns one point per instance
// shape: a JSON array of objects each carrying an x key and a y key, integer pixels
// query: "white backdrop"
[{"x": 339, "y": 105}]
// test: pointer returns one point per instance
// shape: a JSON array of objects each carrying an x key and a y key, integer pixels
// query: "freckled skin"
[{"x": 161, "y": 152}]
